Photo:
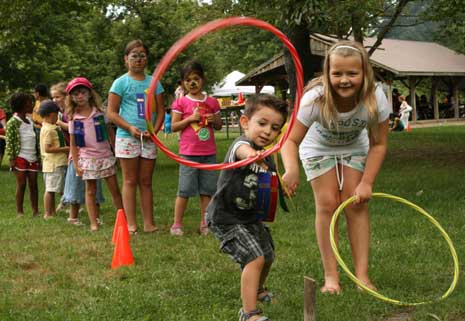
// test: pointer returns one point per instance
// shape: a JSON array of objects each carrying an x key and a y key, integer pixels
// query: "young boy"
[
  {"x": 54, "y": 155},
  {"x": 232, "y": 212}
]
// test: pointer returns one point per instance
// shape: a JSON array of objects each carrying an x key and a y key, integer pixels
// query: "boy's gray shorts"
[{"x": 245, "y": 242}]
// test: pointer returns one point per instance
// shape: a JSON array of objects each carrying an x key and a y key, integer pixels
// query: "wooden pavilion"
[{"x": 408, "y": 61}]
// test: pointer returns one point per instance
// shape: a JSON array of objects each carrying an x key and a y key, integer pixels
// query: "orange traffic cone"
[
  {"x": 408, "y": 127},
  {"x": 122, "y": 254},
  {"x": 120, "y": 221},
  {"x": 240, "y": 99}
]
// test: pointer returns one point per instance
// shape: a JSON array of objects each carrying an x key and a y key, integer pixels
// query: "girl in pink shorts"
[{"x": 90, "y": 147}]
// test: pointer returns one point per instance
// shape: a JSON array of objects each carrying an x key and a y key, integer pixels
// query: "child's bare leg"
[
  {"x": 358, "y": 225},
  {"x": 250, "y": 280},
  {"x": 33, "y": 192},
  {"x": 20, "y": 190},
  {"x": 74, "y": 211},
  {"x": 146, "y": 167},
  {"x": 91, "y": 190},
  {"x": 204, "y": 200},
  {"x": 130, "y": 170},
  {"x": 112, "y": 184},
  {"x": 179, "y": 209},
  {"x": 49, "y": 204},
  {"x": 326, "y": 193}
]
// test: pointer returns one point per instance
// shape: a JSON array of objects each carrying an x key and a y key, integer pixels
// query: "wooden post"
[
  {"x": 434, "y": 94},
  {"x": 413, "y": 100},
  {"x": 309, "y": 299},
  {"x": 455, "y": 90}
]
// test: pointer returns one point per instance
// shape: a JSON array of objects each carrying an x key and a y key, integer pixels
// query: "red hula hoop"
[{"x": 195, "y": 34}]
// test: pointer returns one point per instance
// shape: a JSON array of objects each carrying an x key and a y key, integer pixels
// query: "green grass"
[{"x": 50, "y": 270}]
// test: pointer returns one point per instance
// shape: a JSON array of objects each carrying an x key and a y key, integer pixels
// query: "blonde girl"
[
  {"x": 90, "y": 148},
  {"x": 134, "y": 148},
  {"x": 341, "y": 137}
]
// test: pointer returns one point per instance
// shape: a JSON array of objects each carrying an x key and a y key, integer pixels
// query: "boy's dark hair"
[
  {"x": 18, "y": 100},
  {"x": 192, "y": 66},
  {"x": 134, "y": 44},
  {"x": 255, "y": 102},
  {"x": 42, "y": 90}
]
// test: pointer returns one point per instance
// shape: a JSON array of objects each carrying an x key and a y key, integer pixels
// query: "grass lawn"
[{"x": 50, "y": 270}]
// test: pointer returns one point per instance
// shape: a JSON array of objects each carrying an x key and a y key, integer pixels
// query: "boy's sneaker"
[{"x": 176, "y": 230}]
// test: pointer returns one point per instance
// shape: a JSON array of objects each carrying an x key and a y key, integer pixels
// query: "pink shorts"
[{"x": 24, "y": 165}]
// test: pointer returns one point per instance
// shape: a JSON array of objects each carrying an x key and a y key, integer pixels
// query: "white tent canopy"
[{"x": 227, "y": 87}]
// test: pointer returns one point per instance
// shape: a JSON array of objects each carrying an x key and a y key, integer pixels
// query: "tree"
[{"x": 300, "y": 18}]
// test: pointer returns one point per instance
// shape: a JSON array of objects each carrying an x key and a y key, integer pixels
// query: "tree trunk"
[{"x": 300, "y": 37}]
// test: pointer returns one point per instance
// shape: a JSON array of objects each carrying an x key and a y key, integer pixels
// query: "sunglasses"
[{"x": 136, "y": 56}]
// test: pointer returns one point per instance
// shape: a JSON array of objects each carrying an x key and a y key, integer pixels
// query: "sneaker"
[{"x": 176, "y": 231}]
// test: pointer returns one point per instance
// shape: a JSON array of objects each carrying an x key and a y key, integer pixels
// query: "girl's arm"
[
  {"x": 12, "y": 142},
  {"x": 177, "y": 123},
  {"x": 63, "y": 125},
  {"x": 375, "y": 158},
  {"x": 160, "y": 113},
  {"x": 289, "y": 155},
  {"x": 113, "y": 115},
  {"x": 74, "y": 154}
]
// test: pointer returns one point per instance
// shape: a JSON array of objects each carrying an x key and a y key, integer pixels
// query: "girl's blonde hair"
[
  {"x": 327, "y": 103},
  {"x": 94, "y": 101},
  {"x": 59, "y": 87}
]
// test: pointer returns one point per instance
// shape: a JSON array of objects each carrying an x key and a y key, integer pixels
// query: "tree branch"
[{"x": 400, "y": 6}]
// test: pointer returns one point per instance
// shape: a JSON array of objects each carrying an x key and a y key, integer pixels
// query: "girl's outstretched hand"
[
  {"x": 291, "y": 180},
  {"x": 363, "y": 193}
]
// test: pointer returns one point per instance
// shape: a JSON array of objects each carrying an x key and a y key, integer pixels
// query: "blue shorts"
[
  {"x": 193, "y": 181},
  {"x": 75, "y": 189}
]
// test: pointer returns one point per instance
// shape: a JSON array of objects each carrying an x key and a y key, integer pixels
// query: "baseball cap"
[
  {"x": 47, "y": 107},
  {"x": 78, "y": 81}
]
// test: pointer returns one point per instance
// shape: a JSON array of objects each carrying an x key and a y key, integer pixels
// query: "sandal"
[
  {"x": 246, "y": 316},
  {"x": 176, "y": 230},
  {"x": 74, "y": 221},
  {"x": 264, "y": 296},
  {"x": 203, "y": 230}
]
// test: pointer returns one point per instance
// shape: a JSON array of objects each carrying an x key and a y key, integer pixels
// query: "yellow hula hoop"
[{"x": 375, "y": 293}]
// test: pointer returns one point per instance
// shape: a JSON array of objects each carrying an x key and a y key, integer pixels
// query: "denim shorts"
[
  {"x": 75, "y": 189},
  {"x": 319, "y": 165},
  {"x": 193, "y": 181},
  {"x": 245, "y": 242}
]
